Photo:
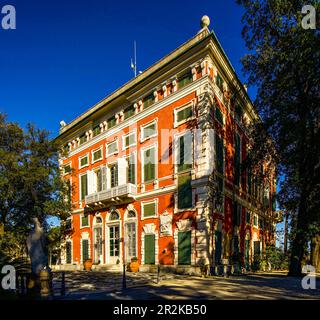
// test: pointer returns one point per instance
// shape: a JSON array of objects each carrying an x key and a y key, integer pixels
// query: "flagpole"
[{"x": 135, "y": 59}]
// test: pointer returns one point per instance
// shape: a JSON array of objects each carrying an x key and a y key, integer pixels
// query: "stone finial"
[{"x": 205, "y": 22}]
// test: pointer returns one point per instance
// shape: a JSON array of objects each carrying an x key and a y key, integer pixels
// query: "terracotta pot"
[
  {"x": 88, "y": 265},
  {"x": 134, "y": 266}
]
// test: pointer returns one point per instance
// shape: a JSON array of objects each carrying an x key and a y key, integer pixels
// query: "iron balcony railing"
[{"x": 128, "y": 190}]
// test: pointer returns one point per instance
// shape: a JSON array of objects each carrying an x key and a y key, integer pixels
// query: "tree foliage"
[
  {"x": 30, "y": 181},
  {"x": 284, "y": 64}
]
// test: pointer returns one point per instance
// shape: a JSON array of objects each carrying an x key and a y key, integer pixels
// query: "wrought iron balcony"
[{"x": 120, "y": 194}]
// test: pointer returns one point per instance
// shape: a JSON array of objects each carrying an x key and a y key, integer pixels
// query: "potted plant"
[
  {"x": 134, "y": 265},
  {"x": 88, "y": 264}
]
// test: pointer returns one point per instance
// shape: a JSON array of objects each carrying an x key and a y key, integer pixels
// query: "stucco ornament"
[{"x": 166, "y": 224}]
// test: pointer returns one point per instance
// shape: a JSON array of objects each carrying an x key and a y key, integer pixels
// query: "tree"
[
  {"x": 284, "y": 64},
  {"x": 30, "y": 182}
]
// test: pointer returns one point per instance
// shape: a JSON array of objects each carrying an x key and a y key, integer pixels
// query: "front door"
[
  {"x": 98, "y": 245},
  {"x": 114, "y": 244}
]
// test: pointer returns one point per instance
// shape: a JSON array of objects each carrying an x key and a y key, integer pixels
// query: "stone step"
[{"x": 107, "y": 267}]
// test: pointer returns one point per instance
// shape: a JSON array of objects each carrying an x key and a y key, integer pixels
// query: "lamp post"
[{"x": 124, "y": 280}]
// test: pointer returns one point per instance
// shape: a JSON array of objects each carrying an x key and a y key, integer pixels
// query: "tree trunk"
[
  {"x": 299, "y": 242},
  {"x": 285, "y": 249},
  {"x": 315, "y": 253}
]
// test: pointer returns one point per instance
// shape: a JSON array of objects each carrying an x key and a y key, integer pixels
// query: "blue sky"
[{"x": 65, "y": 56}]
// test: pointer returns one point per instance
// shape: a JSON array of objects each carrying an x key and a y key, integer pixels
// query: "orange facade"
[{"x": 172, "y": 218}]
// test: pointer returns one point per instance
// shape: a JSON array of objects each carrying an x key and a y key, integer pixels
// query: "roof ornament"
[{"x": 205, "y": 22}]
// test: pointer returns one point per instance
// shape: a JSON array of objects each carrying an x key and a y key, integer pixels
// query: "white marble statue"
[{"x": 37, "y": 248}]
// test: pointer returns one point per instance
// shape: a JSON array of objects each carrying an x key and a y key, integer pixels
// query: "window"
[
  {"x": 83, "y": 139},
  {"x": 112, "y": 148},
  {"x": 185, "y": 79},
  {"x": 248, "y": 217},
  {"x": 149, "y": 164},
  {"x": 97, "y": 155},
  {"x": 149, "y": 209},
  {"x": 184, "y": 248},
  {"x": 83, "y": 186},
  {"x": 238, "y": 112},
  {"x": 219, "y": 155},
  {"x": 84, "y": 221},
  {"x": 114, "y": 175},
  {"x": 184, "y": 192},
  {"x": 96, "y": 130},
  {"x": 249, "y": 173},
  {"x": 149, "y": 131},
  {"x": 219, "y": 195},
  {"x": 219, "y": 115},
  {"x": 148, "y": 101},
  {"x": 129, "y": 112},
  {"x": 129, "y": 140},
  {"x": 131, "y": 242},
  {"x": 111, "y": 122},
  {"x": 219, "y": 82},
  {"x": 68, "y": 252},
  {"x": 131, "y": 176},
  {"x": 83, "y": 161},
  {"x": 183, "y": 114},
  {"x": 67, "y": 169},
  {"x": 98, "y": 180},
  {"x": 85, "y": 250},
  {"x": 114, "y": 215},
  {"x": 237, "y": 209},
  {"x": 255, "y": 220},
  {"x": 185, "y": 146},
  {"x": 131, "y": 214},
  {"x": 237, "y": 159}
]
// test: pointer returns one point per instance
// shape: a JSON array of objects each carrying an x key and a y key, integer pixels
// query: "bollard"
[
  {"x": 44, "y": 283},
  {"x": 63, "y": 285},
  {"x": 124, "y": 284}
]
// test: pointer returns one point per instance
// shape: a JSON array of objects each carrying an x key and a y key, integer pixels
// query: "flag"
[{"x": 132, "y": 65}]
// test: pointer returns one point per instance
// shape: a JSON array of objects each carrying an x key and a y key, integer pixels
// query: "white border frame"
[
  {"x": 79, "y": 160},
  {"x": 143, "y": 150},
  {"x": 133, "y": 132},
  {"x": 178, "y": 109},
  {"x": 108, "y": 144},
  {"x": 142, "y": 203},
  {"x": 146, "y": 125},
  {"x": 95, "y": 150}
]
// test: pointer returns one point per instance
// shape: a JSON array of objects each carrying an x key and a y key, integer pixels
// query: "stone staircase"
[{"x": 108, "y": 267}]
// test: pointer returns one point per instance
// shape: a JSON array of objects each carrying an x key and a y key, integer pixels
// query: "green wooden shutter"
[
  {"x": 85, "y": 250},
  {"x": 149, "y": 210},
  {"x": 149, "y": 165},
  {"x": 68, "y": 252},
  {"x": 218, "y": 115},
  {"x": 184, "y": 248},
  {"x": 256, "y": 247},
  {"x": 84, "y": 186},
  {"x": 218, "y": 245},
  {"x": 219, "y": 155},
  {"x": 184, "y": 192},
  {"x": 237, "y": 160},
  {"x": 149, "y": 249}
]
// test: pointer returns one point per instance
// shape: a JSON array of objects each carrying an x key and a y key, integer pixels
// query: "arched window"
[
  {"x": 98, "y": 220},
  {"x": 114, "y": 215},
  {"x": 131, "y": 214}
]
